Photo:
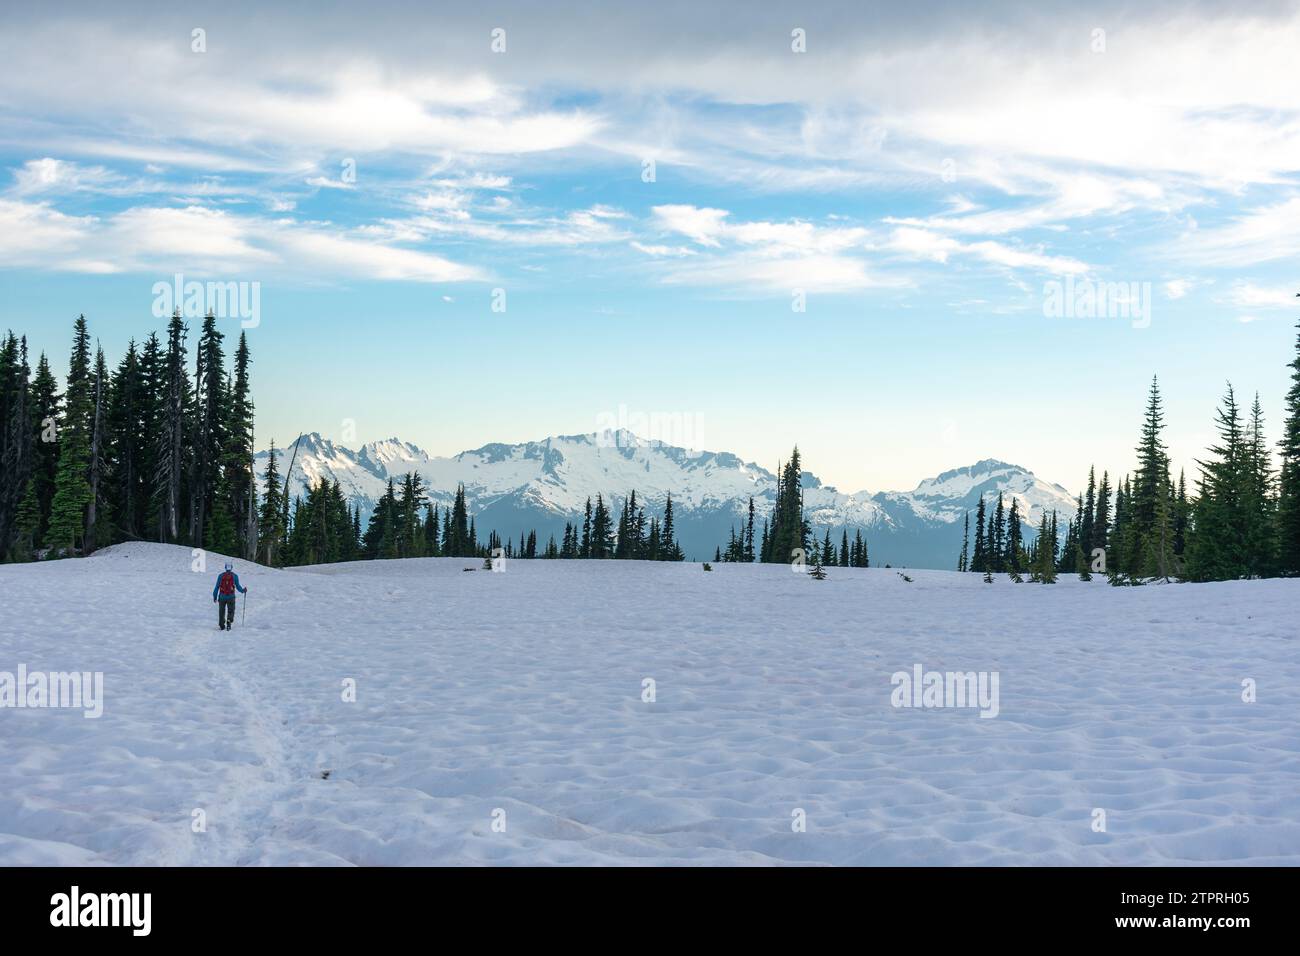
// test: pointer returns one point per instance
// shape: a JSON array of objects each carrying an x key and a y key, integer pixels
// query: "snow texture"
[{"x": 522, "y": 692}]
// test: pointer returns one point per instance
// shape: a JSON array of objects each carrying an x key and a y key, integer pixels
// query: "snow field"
[{"x": 522, "y": 692}]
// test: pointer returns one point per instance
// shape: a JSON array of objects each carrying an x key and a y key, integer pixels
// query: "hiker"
[{"x": 223, "y": 593}]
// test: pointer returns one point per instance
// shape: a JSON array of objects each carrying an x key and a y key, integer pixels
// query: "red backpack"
[{"x": 226, "y": 584}]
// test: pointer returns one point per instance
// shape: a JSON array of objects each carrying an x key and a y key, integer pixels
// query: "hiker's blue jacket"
[{"x": 226, "y": 597}]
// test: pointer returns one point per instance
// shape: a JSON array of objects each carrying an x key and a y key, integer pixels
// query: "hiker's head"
[{"x": 229, "y": 566}]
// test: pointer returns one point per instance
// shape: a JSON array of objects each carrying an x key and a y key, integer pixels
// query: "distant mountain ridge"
[{"x": 543, "y": 484}]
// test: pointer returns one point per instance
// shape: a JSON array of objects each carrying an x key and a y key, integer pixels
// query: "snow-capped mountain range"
[{"x": 543, "y": 484}]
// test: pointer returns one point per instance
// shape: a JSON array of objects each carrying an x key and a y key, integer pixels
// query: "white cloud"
[
  {"x": 749, "y": 271},
  {"x": 764, "y": 255},
  {"x": 445, "y": 218},
  {"x": 829, "y": 257},
  {"x": 704, "y": 226},
  {"x": 30, "y": 232},
  {"x": 660, "y": 250},
  {"x": 1263, "y": 234},
  {"x": 49, "y": 175},
  {"x": 1248, "y": 295},
  {"x": 201, "y": 239},
  {"x": 1003, "y": 255},
  {"x": 924, "y": 244},
  {"x": 1045, "y": 137}
]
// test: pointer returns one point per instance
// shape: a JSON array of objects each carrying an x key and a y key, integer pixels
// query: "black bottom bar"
[{"x": 333, "y": 906}]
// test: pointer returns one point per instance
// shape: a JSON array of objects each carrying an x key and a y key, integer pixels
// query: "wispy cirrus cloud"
[{"x": 1260, "y": 234}]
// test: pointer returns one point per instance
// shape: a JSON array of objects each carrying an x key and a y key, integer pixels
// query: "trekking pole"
[{"x": 244, "y": 616}]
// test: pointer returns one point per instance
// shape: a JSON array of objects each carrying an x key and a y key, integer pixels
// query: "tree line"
[
  {"x": 786, "y": 532},
  {"x": 149, "y": 450},
  {"x": 1242, "y": 520},
  {"x": 405, "y": 523},
  {"x": 159, "y": 449}
]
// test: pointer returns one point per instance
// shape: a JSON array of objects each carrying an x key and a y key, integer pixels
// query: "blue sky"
[{"x": 919, "y": 178}]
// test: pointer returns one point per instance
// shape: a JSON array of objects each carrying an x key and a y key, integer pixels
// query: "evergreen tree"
[
  {"x": 430, "y": 530},
  {"x": 1101, "y": 520},
  {"x": 1015, "y": 544},
  {"x": 979, "y": 559},
  {"x": 67, "y": 525},
  {"x": 45, "y": 406},
  {"x": 1044, "y": 568},
  {"x": 1259, "y": 505},
  {"x": 862, "y": 558},
  {"x": 602, "y": 532},
  {"x": 1081, "y": 567},
  {"x": 271, "y": 522},
  {"x": 621, "y": 535},
  {"x": 749, "y": 533},
  {"x": 409, "y": 532},
  {"x": 458, "y": 536},
  {"x": 16, "y": 451},
  {"x": 1288, "y": 505},
  {"x": 27, "y": 525},
  {"x": 1118, "y": 534},
  {"x": 1088, "y": 515},
  {"x": 380, "y": 538},
  {"x": 98, "y": 517},
  {"x": 964, "y": 558},
  {"x": 818, "y": 570},
  {"x": 997, "y": 539},
  {"x": 1182, "y": 516},
  {"x": 172, "y": 450},
  {"x": 239, "y": 453},
  {"x": 669, "y": 549},
  {"x": 207, "y": 427},
  {"x": 127, "y": 432},
  {"x": 1159, "y": 560},
  {"x": 789, "y": 530},
  {"x": 585, "y": 545},
  {"x": 1217, "y": 548},
  {"x": 1150, "y": 483}
]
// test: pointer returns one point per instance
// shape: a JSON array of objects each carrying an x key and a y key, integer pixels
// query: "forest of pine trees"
[
  {"x": 405, "y": 524},
  {"x": 1242, "y": 520},
  {"x": 152, "y": 449}
]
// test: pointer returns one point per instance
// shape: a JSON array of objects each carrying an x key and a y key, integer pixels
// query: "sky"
[{"x": 872, "y": 231}]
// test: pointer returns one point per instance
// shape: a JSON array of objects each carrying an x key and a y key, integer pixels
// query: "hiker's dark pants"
[{"x": 225, "y": 612}]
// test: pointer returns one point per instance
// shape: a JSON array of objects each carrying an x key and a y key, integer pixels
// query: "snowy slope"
[
  {"x": 522, "y": 692},
  {"x": 541, "y": 485}
]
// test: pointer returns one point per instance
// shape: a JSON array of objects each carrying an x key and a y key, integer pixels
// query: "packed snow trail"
[
  {"x": 517, "y": 698},
  {"x": 243, "y": 809}
]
